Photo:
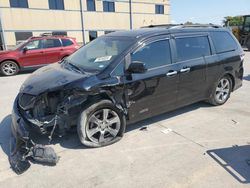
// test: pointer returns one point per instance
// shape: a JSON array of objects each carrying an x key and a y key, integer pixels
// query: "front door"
[
  {"x": 34, "y": 55},
  {"x": 192, "y": 52},
  {"x": 154, "y": 91}
]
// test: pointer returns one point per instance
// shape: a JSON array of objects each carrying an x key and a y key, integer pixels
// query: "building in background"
[{"x": 82, "y": 19}]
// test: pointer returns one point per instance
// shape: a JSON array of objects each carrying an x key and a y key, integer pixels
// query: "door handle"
[
  {"x": 183, "y": 70},
  {"x": 171, "y": 73}
]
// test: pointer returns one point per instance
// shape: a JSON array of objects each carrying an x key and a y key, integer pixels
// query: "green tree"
[{"x": 233, "y": 21}]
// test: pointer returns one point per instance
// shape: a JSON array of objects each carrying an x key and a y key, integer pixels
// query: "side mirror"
[
  {"x": 137, "y": 67},
  {"x": 25, "y": 49}
]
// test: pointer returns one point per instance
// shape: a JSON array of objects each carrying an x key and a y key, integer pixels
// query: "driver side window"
[
  {"x": 156, "y": 54},
  {"x": 34, "y": 45}
]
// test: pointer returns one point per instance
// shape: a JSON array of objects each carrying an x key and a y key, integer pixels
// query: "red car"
[{"x": 36, "y": 52}]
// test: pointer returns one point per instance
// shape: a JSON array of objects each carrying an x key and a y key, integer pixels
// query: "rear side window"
[
  {"x": 192, "y": 47},
  {"x": 67, "y": 42},
  {"x": 52, "y": 43},
  {"x": 154, "y": 55},
  {"x": 223, "y": 42}
]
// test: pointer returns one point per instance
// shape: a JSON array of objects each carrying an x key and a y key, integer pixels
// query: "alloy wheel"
[
  {"x": 223, "y": 90},
  {"x": 9, "y": 68},
  {"x": 103, "y": 126}
]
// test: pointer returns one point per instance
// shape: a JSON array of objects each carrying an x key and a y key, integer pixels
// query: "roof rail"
[
  {"x": 45, "y": 34},
  {"x": 178, "y": 26},
  {"x": 162, "y": 25},
  {"x": 54, "y": 33}
]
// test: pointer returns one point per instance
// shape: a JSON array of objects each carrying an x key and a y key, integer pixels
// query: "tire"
[
  {"x": 221, "y": 91},
  {"x": 9, "y": 68},
  {"x": 95, "y": 131}
]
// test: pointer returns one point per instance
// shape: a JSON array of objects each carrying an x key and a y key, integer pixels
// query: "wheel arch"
[
  {"x": 106, "y": 96},
  {"x": 232, "y": 79},
  {"x": 11, "y": 60}
]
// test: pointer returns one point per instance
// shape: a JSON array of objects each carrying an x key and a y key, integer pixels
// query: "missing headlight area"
[
  {"x": 48, "y": 113},
  {"x": 51, "y": 111}
]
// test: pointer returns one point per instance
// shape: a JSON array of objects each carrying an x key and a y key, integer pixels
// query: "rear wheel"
[
  {"x": 221, "y": 91},
  {"x": 9, "y": 68},
  {"x": 101, "y": 124}
]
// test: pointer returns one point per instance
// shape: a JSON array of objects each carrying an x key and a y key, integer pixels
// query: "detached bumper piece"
[
  {"x": 23, "y": 150},
  {"x": 20, "y": 159}
]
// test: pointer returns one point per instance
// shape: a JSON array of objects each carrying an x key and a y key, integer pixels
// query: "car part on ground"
[{"x": 22, "y": 151}]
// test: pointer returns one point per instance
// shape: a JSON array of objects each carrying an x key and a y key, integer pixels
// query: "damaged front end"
[
  {"x": 50, "y": 103},
  {"x": 46, "y": 114}
]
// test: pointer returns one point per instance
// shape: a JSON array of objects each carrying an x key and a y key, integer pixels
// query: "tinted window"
[
  {"x": 52, "y": 43},
  {"x": 108, "y": 6},
  {"x": 56, "y": 4},
  {"x": 67, "y": 42},
  {"x": 19, "y": 3},
  {"x": 91, "y": 5},
  {"x": 92, "y": 35},
  {"x": 23, "y": 35},
  {"x": 34, "y": 45},
  {"x": 159, "y": 9},
  {"x": 223, "y": 42},
  {"x": 192, "y": 47},
  {"x": 154, "y": 55}
]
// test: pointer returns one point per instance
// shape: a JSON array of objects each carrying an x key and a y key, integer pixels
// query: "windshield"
[
  {"x": 19, "y": 45},
  {"x": 98, "y": 54}
]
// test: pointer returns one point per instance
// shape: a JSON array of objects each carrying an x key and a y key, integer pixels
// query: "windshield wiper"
[{"x": 75, "y": 68}]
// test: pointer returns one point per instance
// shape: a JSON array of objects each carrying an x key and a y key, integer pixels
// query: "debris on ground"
[
  {"x": 145, "y": 128},
  {"x": 235, "y": 122},
  {"x": 22, "y": 153}
]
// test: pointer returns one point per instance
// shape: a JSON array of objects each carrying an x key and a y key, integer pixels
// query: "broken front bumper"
[
  {"x": 20, "y": 129},
  {"x": 22, "y": 148}
]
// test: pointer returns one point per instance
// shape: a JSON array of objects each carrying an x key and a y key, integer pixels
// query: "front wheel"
[
  {"x": 9, "y": 68},
  {"x": 101, "y": 124},
  {"x": 221, "y": 92}
]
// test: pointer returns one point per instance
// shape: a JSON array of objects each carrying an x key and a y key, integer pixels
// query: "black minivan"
[{"x": 127, "y": 76}]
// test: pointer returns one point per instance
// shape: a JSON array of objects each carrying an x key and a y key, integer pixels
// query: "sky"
[{"x": 207, "y": 11}]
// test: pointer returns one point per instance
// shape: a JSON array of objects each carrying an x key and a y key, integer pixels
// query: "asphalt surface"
[{"x": 196, "y": 146}]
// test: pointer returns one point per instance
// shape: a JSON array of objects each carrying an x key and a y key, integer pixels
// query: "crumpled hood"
[{"x": 49, "y": 78}]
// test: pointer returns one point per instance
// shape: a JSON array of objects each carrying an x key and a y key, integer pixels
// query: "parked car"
[
  {"x": 128, "y": 76},
  {"x": 36, "y": 52}
]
